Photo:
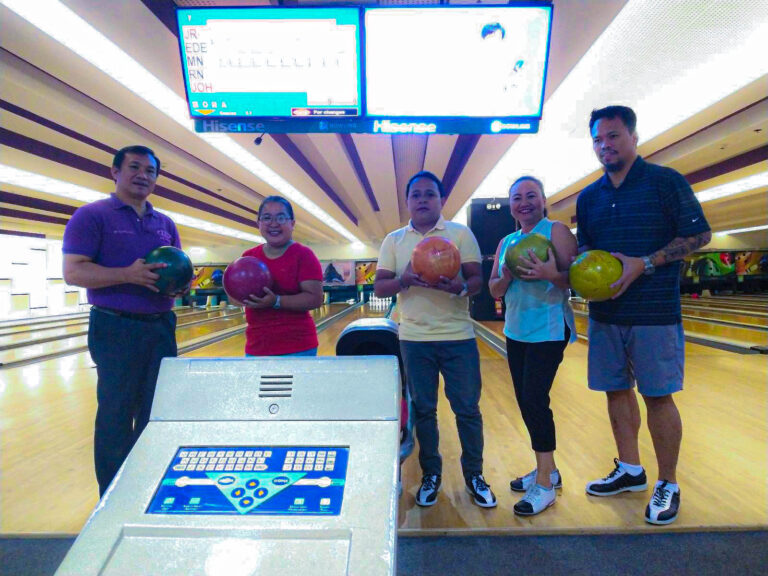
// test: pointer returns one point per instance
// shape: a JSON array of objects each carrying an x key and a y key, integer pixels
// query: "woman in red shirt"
[{"x": 279, "y": 323}]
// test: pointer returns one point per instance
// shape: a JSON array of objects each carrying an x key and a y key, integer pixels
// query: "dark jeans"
[
  {"x": 127, "y": 354},
  {"x": 459, "y": 363},
  {"x": 533, "y": 367}
]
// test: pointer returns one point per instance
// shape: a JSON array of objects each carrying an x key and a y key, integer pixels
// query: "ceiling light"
[
  {"x": 59, "y": 22},
  {"x": 686, "y": 56},
  {"x": 742, "y": 230},
  {"x": 735, "y": 187},
  {"x": 40, "y": 183}
]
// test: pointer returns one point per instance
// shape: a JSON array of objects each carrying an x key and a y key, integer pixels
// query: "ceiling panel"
[{"x": 49, "y": 81}]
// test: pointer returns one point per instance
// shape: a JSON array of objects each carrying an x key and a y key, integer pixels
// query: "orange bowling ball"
[{"x": 434, "y": 257}]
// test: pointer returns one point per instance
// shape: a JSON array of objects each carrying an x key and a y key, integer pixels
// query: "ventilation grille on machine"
[{"x": 276, "y": 386}]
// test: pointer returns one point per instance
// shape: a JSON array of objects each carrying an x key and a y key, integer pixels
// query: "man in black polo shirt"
[{"x": 649, "y": 218}]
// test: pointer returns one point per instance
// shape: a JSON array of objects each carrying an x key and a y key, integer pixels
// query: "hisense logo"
[
  {"x": 224, "y": 126},
  {"x": 389, "y": 127}
]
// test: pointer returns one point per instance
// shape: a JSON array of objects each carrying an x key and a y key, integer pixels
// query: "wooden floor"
[{"x": 46, "y": 455}]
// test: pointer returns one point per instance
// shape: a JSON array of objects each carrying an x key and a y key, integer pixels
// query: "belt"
[{"x": 130, "y": 315}]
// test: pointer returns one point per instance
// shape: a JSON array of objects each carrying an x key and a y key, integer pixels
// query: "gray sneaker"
[{"x": 523, "y": 483}]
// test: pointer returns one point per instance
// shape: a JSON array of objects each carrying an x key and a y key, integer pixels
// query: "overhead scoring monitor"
[
  {"x": 271, "y": 62},
  {"x": 475, "y": 69},
  {"x": 412, "y": 70}
]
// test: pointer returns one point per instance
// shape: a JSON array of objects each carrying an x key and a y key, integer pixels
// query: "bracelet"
[{"x": 276, "y": 305}]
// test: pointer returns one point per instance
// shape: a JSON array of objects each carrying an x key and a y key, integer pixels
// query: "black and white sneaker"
[
  {"x": 481, "y": 491},
  {"x": 523, "y": 483},
  {"x": 536, "y": 500},
  {"x": 430, "y": 486},
  {"x": 618, "y": 481},
  {"x": 664, "y": 505}
]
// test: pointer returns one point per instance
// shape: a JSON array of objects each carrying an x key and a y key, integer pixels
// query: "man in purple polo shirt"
[{"x": 132, "y": 327}]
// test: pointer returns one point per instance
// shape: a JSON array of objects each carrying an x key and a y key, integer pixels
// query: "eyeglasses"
[{"x": 280, "y": 218}]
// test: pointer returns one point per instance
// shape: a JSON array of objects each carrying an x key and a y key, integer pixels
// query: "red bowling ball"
[{"x": 245, "y": 276}]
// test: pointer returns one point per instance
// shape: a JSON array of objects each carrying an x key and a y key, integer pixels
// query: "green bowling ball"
[
  {"x": 177, "y": 275},
  {"x": 518, "y": 248},
  {"x": 592, "y": 274}
]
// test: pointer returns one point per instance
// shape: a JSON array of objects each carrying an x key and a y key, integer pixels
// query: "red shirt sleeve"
[{"x": 309, "y": 266}]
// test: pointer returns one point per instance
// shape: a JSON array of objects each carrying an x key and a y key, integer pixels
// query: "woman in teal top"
[{"x": 538, "y": 325}]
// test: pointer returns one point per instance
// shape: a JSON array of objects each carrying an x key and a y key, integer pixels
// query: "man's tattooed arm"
[{"x": 679, "y": 248}]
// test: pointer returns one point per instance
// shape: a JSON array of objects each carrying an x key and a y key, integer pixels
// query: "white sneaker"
[
  {"x": 430, "y": 486},
  {"x": 664, "y": 505},
  {"x": 523, "y": 483},
  {"x": 536, "y": 500},
  {"x": 481, "y": 492}
]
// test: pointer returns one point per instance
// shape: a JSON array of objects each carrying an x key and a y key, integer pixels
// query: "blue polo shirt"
[
  {"x": 113, "y": 235},
  {"x": 646, "y": 212}
]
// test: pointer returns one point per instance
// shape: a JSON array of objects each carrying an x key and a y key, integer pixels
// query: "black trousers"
[
  {"x": 127, "y": 353},
  {"x": 533, "y": 367}
]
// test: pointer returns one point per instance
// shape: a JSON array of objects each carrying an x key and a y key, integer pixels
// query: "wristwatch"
[
  {"x": 649, "y": 267},
  {"x": 276, "y": 305}
]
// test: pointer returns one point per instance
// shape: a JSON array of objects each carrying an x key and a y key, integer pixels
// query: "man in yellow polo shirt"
[{"x": 436, "y": 336}]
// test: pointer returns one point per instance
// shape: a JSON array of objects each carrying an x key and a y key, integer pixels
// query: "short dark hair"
[
  {"x": 627, "y": 115},
  {"x": 278, "y": 200},
  {"x": 117, "y": 161},
  {"x": 535, "y": 181},
  {"x": 429, "y": 176}
]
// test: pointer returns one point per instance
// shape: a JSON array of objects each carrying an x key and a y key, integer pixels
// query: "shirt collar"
[
  {"x": 117, "y": 204},
  {"x": 440, "y": 225},
  {"x": 634, "y": 172}
]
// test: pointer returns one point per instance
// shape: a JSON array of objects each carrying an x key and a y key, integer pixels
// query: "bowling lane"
[
  {"x": 750, "y": 319},
  {"x": 46, "y": 447},
  {"x": 183, "y": 332},
  {"x": 723, "y": 407},
  {"x": 41, "y": 317},
  {"x": 731, "y": 306},
  {"x": 82, "y": 318},
  {"x": 718, "y": 325},
  {"x": 80, "y": 328},
  {"x": 53, "y": 325},
  {"x": 732, "y": 299},
  {"x": 235, "y": 345},
  {"x": 736, "y": 335},
  {"x": 47, "y": 411}
]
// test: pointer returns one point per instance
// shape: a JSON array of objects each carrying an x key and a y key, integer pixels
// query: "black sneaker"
[
  {"x": 430, "y": 486},
  {"x": 664, "y": 505},
  {"x": 481, "y": 491},
  {"x": 618, "y": 481}
]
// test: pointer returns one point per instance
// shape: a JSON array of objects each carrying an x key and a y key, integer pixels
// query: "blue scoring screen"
[{"x": 271, "y": 62}]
